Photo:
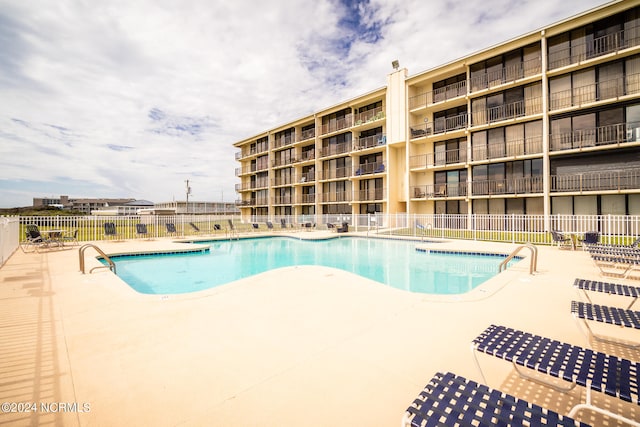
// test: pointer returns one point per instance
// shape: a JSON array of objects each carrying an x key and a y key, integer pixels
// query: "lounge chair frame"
[
  {"x": 593, "y": 370},
  {"x": 607, "y": 288},
  {"x": 450, "y": 400},
  {"x": 586, "y": 312}
]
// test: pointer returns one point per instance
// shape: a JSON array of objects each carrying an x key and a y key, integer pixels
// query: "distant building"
[
  {"x": 85, "y": 205},
  {"x": 182, "y": 207},
  {"x": 130, "y": 208}
]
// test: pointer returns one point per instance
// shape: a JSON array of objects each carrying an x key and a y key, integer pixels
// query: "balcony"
[
  {"x": 585, "y": 50},
  {"x": 307, "y": 134},
  {"x": 335, "y": 173},
  {"x": 336, "y": 125},
  {"x": 283, "y": 141},
  {"x": 336, "y": 197},
  {"x": 245, "y": 203},
  {"x": 437, "y": 191},
  {"x": 283, "y": 161},
  {"x": 308, "y": 155},
  {"x": 526, "y": 107},
  {"x": 525, "y": 185},
  {"x": 307, "y": 177},
  {"x": 369, "y": 142},
  {"x": 595, "y": 137},
  {"x": 446, "y": 93},
  {"x": 448, "y": 157},
  {"x": 439, "y": 125},
  {"x": 370, "y": 168},
  {"x": 610, "y": 89},
  {"x": 283, "y": 180},
  {"x": 307, "y": 198},
  {"x": 282, "y": 200},
  {"x": 506, "y": 74},
  {"x": 334, "y": 149},
  {"x": 371, "y": 195},
  {"x": 368, "y": 116},
  {"x": 516, "y": 148},
  {"x": 614, "y": 180}
]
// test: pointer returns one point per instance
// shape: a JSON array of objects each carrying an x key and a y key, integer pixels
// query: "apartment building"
[{"x": 546, "y": 123}]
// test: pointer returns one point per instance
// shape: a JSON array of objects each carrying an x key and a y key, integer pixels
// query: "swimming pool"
[{"x": 395, "y": 263}]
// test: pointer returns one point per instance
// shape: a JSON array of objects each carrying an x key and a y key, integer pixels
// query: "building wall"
[{"x": 545, "y": 123}]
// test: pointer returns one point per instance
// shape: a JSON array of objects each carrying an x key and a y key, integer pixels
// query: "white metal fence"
[
  {"x": 616, "y": 229},
  {"x": 9, "y": 237}
]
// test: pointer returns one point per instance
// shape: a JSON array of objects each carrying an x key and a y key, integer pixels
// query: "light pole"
[{"x": 188, "y": 192}]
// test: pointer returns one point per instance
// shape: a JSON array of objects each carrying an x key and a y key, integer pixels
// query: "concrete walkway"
[{"x": 299, "y": 346}]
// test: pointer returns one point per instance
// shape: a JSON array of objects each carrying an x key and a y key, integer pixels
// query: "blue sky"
[{"x": 131, "y": 98}]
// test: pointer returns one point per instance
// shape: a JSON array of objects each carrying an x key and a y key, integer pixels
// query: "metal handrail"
[
  {"x": 534, "y": 257},
  {"x": 111, "y": 266}
]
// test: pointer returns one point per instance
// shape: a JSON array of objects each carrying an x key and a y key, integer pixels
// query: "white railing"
[
  {"x": 9, "y": 237},
  {"x": 512, "y": 228}
]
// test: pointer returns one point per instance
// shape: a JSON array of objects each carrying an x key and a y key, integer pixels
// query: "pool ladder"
[
  {"x": 534, "y": 258},
  {"x": 111, "y": 266}
]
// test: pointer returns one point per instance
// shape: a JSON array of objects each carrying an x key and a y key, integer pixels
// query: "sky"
[{"x": 131, "y": 98}]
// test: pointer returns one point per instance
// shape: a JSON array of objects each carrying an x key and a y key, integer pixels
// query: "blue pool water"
[{"x": 392, "y": 262}]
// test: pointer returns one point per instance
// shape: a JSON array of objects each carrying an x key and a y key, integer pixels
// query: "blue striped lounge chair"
[
  {"x": 171, "y": 228},
  {"x": 596, "y": 371},
  {"x": 605, "y": 314},
  {"x": 607, "y": 288},
  {"x": 141, "y": 230},
  {"x": 451, "y": 400},
  {"x": 110, "y": 231}
]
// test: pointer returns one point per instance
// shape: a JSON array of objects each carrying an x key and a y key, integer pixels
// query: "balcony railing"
[
  {"x": 520, "y": 147},
  {"x": 525, "y": 185},
  {"x": 440, "y": 125},
  {"x": 283, "y": 161},
  {"x": 308, "y": 155},
  {"x": 307, "y": 134},
  {"x": 369, "y": 141},
  {"x": 307, "y": 177},
  {"x": 333, "y": 149},
  {"x": 604, "y": 45},
  {"x": 368, "y": 116},
  {"x": 369, "y": 168},
  {"x": 283, "y": 180},
  {"x": 370, "y": 195},
  {"x": 283, "y": 140},
  {"x": 623, "y": 179},
  {"x": 512, "y": 110},
  {"x": 336, "y": 197},
  {"x": 602, "y": 135},
  {"x": 447, "y": 157},
  {"x": 282, "y": 200},
  {"x": 307, "y": 198},
  {"x": 507, "y": 74},
  {"x": 336, "y": 125},
  {"x": 335, "y": 173},
  {"x": 435, "y": 191},
  {"x": 445, "y": 93},
  {"x": 587, "y": 94}
]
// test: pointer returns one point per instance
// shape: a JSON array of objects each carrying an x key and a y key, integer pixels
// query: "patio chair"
[
  {"x": 614, "y": 376},
  {"x": 110, "y": 231},
  {"x": 561, "y": 240},
  {"x": 610, "y": 315},
  {"x": 141, "y": 230},
  {"x": 344, "y": 228},
  {"x": 255, "y": 226},
  {"x": 216, "y": 228},
  {"x": 590, "y": 238},
  {"x": 34, "y": 239},
  {"x": 269, "y": 225},
  {"x": 331, "y": 227},
  {"x": 616, "y": 265},
  {"x": 452, "y": 400},
  {"x": 71, "y": 238},
  {"x": 607, "y": 288},
  {"x": 195, "y": 228},
  {"x": 283, "y": 223},
  {"x": 171, "y": 228}
]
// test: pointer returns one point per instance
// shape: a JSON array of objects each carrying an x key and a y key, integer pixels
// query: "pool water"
[{"x": 392, "y": 262}]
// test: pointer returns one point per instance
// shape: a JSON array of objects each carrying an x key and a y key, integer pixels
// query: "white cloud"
[{"x": 128, "y": 99}]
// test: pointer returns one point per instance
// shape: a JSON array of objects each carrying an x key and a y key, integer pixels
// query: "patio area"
[{"x": 306, "y": 345}]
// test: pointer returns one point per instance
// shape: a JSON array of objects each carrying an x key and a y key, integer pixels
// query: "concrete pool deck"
[{"x": 299, "y": 346}]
